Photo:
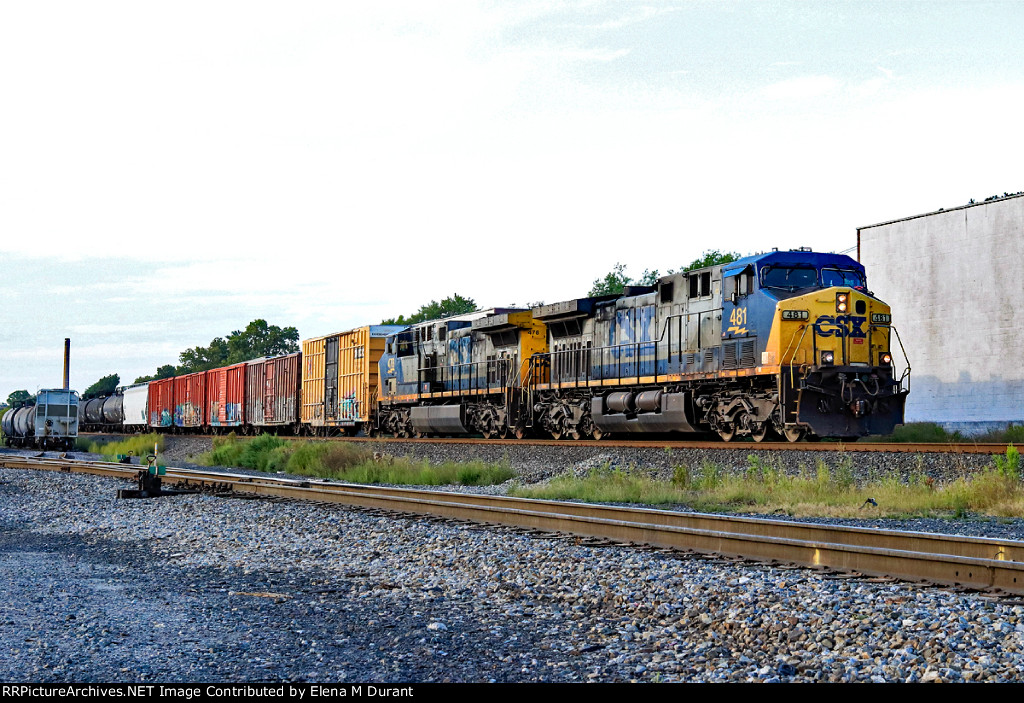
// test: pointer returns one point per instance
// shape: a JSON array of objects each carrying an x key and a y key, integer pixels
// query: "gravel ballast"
[{"x": 197, "y": 588}]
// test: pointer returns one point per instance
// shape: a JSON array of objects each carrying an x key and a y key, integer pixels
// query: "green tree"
[
  {"x": 260, "y": 339},
  {"x": 616, "y": 280},
  {"x": 18, "y": 397},
  {"x": 104, "y": 386},
  {"x": 256, "y": 340},
  {"x": 452, "y": 305},
  {"x": 165, "y": 371},
  {"x": 712, "y": 257}
]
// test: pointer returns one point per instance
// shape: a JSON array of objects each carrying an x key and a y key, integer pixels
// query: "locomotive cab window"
[
  {"x": 745, "y": 280},
  {"x": 789, "y": 278},
  {"x": 842, "y": 277}
]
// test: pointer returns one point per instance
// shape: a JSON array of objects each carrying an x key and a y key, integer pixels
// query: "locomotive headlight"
[
  {"x": 842, "y": 302},
  {"x": 828, "y": 358},
  {"x": 886, "y": 359}
]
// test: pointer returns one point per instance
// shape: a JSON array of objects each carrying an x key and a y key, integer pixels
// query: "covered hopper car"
[{"x": 51, "y": 423}]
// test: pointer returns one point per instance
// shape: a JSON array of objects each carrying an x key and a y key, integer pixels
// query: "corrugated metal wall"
[
  {"x": 189, "y": 399},
  {"x": 161, "y": 403},
  {"x": 273, "y": 390},
  {"x": 313, "y": 378},
  {"x": 225, "y": 396}
]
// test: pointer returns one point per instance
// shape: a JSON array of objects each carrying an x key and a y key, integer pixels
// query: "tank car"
[{"x": 52, "y": 423}]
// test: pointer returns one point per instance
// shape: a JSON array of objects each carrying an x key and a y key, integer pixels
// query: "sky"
[{"x": 171, "y": 171}]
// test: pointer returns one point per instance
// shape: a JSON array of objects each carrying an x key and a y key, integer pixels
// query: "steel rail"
[{"x": 971, "y": 562}]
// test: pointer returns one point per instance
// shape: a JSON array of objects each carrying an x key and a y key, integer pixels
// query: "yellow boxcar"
[{"x": 340, "y": 377}]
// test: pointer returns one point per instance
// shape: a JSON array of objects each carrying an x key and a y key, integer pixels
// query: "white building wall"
[{"x": 955, "y": 281}]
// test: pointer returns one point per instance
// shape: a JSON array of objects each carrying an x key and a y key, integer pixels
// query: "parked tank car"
[
  {"x": 52, "y": 423},
  {"x": 340, "y": 375},
  {"x": 460, "y": 374},
  {"x": 90, "y": 415},
  {"x": 113, "y": 412}
]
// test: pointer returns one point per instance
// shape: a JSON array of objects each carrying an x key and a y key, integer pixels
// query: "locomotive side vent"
[
  {"x": 729, "y": 355},
  {"x": 747, "y": 354}
]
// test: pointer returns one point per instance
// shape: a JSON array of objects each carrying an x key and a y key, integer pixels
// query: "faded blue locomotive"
[{"x": 787, "y": 343}]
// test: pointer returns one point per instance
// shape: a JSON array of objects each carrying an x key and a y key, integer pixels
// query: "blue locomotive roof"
[{"x": 783, "y": 258}]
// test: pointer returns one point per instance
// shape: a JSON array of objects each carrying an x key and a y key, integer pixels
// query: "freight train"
[{"x": 787, "y": 344}]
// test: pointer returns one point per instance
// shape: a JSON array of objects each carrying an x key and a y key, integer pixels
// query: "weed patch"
[
  {"x": 138, "y": 445},
  {"x": 348, "y": 462}
]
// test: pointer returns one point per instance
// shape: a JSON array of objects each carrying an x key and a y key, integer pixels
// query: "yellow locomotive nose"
[
  {"x": 842, "y": 333},
  {"x": 832, "y": 327}
]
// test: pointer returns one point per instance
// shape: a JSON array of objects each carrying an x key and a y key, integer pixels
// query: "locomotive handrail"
[
  {"x": 792, "y": 381},
  {"x": 906, "y": 372},
  {"x": 447, "y": 374},
  {"x": 584, "y": 353}
]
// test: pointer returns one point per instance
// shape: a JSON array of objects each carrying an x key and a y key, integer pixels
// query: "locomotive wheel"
[
  {"x": 519, "y": 432},
  {"x": 597, "y": 434},
  {"x": 793, "y": 434},
  {"x": 727, "y": 432},
  {"x": 487, "y": 433},
  {"x": 574, "y": 434},
  {"x": 556, "y": 434},
  {"x": 504, "y": 432},
  {"x": 760, "y": 432}
]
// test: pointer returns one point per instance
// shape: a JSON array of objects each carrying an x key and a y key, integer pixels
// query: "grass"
[
  {"x": 923, "y": 432},
  {"x": 348, "y": 462},
  {"x": 139, "y": 445},
  {"x": 825, "y": 490}
]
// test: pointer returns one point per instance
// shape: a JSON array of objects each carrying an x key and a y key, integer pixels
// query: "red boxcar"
[
  {"x": 272, "y": 397},
  {"x": 189, "y": 399},
  {"x": 161, "y": 403},
  {"x": 225, "y": 396}
]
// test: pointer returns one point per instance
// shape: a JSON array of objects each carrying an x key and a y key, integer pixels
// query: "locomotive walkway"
[{"x": 968, "y": 562}]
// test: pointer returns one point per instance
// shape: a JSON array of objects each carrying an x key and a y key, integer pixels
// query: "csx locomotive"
[{"x": 787, "y": 343}]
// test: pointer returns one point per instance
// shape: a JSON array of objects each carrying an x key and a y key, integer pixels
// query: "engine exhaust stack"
[{"x": 67, "y": 363}]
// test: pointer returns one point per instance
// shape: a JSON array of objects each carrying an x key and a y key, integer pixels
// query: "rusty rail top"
[{"x": 951, "y": 560}]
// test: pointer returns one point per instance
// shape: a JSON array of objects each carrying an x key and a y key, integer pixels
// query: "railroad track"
[
  {"x": 968, "y": 562},
  {"x": 823, "y": 446}
]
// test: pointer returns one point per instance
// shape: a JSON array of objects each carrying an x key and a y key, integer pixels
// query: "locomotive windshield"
[
  {"x": 789, "y": 278},
  {"x": 793, "y": 278},
  {"x": 842, "y": 277}
]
